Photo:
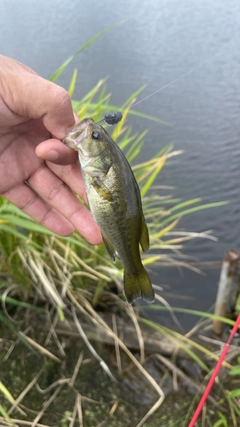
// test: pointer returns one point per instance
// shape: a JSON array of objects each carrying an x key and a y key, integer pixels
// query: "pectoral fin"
[
  {"x": 144, "y": 241},
  {"x": 101, "y": 189}
]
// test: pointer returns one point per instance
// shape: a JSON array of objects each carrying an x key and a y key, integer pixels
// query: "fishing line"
[
  {"x": 202, "y": 64},
  {"x": 174, "y": 81},
  {"x": 110, "y": 119}
]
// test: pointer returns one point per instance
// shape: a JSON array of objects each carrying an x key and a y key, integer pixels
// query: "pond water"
[{"x": 190, "y": 49}]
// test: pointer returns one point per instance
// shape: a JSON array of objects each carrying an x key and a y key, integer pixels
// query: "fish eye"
[{"x": 96, "y": 134}]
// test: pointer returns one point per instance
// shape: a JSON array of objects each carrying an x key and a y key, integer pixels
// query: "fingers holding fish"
[
  {"x": 55, "y": 151},
  {"x": 58, "y": 195},
  {"x": 26, "y": 199}
]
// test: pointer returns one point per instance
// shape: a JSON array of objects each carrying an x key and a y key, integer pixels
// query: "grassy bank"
[{"x": 49, "y": 284}]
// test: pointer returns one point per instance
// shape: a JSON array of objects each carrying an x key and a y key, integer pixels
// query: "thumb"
[{"x": 30, "y": 96}]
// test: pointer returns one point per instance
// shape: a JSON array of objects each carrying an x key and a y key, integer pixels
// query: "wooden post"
[{"x": 226, "y": 288}]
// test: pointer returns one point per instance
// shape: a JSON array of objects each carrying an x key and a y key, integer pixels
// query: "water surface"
[{"x": 158, "y": 43}]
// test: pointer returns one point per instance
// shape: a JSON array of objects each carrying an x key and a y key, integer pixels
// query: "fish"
[{"x": 115, "y": 202}]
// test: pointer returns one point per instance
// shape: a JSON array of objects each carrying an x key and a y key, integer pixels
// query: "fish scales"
[{"x": 115, "y": 202}]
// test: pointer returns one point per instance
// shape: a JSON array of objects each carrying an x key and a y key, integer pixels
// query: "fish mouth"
[{"x": 75, "y": 137}]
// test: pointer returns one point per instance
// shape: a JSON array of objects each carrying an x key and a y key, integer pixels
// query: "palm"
[
  {"x": 43, "y": 189},
  {"x": 17, "y": 150},
  {"x": 33, "y": 109}
]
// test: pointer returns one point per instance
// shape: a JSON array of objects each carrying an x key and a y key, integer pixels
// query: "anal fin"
[{"x": 110, "y": 248}]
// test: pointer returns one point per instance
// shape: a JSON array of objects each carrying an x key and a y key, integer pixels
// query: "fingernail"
[{"x": 52, "y": 155}]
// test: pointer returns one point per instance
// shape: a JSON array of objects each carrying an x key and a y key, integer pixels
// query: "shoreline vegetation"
[{"x": 73, "y": 352}]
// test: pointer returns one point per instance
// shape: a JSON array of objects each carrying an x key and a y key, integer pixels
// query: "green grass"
[
  {"x": 69, "y": 273},
  {"x": 24, "y": 242}
]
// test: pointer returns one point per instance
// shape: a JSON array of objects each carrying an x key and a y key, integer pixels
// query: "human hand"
[{"x": 38, "y": 173}]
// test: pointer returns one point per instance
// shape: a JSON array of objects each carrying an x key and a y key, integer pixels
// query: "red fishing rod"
[{"x": 215, "y": 373}]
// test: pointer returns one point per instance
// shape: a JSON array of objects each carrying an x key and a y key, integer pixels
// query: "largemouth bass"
[{"x": 115, "y": 202}]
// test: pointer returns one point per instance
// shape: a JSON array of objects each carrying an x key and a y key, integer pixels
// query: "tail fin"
[{"x": 138, "y": 286}]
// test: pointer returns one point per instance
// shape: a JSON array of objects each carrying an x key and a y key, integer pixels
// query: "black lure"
[{"x": 110, "y": 119}]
